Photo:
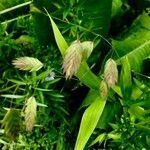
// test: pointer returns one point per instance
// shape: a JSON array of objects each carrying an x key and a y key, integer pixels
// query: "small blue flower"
[{"x": 50, "y": 76}]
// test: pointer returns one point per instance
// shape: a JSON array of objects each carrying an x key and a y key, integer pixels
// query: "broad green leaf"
[
  {"x": 125, "y": 79},
  {"x": 134, "y": 43},
  {"x": 61, "y": 43},
  {"x": 86, "y": 76},
  {"x": 137, "y": 34},
  {"x": 89, "y": 121},
  {"x": 12, "y": 96},
  {"x": 137, "y": 56}
]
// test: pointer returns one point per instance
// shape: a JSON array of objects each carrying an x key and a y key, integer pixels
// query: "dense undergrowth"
[{"x": 74, "y": 74}]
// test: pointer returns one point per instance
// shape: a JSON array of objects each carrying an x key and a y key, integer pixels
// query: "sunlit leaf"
[
  {"x": 12, "y": 96},
  {"x": 125, "y": 79},
  {"x": 61, "y": 43},
  {"x": 89, "y": 121}
]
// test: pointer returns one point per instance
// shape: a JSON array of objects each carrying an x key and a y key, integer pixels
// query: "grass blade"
[
  {"x": 89, "y": 121},
  {"x": 61, "y": 43}
]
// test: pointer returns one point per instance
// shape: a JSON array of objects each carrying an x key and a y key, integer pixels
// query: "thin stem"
[
  {"x": 15, "y": 7},
  {"x": 81, "y": 27},
  {"x": 34, "y": 78},
  {"x": 14, "y": 19}
]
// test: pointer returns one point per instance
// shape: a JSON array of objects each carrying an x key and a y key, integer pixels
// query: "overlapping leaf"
[{"x": 89, "y": 121}]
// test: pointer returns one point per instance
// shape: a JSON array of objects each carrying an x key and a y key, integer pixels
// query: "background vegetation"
[{"x": 74, "y": 74}]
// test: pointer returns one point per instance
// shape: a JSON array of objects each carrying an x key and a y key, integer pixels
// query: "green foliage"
[
  {"x": 39, "y": 86},
  {"x": 92, "y": 110},
  {"x": 12, "y": 123},
  {"x": 134, "y": 42},
  {"x": 125, "y": 79},
  {"x": 86, "y": 129},
  {"x": 89, "y": 121}
]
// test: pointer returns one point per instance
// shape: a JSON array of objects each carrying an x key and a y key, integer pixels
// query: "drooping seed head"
[
  {"x": 30, "y": 113},
  {"x": 110, "y": 72},
  {"x": 27, "y": 63},
  {"x": 72, "y": 59},
  {"x": 103, "y": 90}
]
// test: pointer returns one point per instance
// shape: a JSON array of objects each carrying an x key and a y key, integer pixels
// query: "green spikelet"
[
  {"x": 30, "y": 113},
  {"x": 72, "y": 59},
  {"x": 12, "y": 123},
  {"x": 27, "y": 63},
  {"x": 110, "y": 73}
]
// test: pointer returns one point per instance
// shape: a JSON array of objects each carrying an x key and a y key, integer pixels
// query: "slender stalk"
[
  {"x": 14, "y": 19},
  {"x": 34, "y": 78},
  {"x": 15, "y": 7}
]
